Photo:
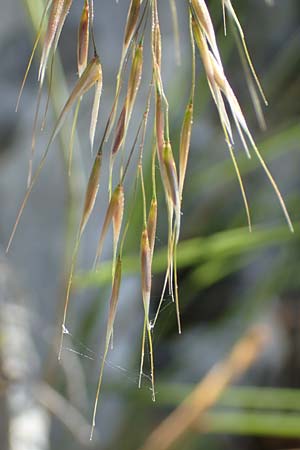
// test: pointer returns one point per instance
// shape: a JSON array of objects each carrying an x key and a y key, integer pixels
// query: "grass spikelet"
[
  {"x": 152, "y": 224},
  {"x": 171, "y": 188},
  {"x": 132, "y": 89},
  {"x": 95, "y": 110},
  {"x": 131, "y": 23},
  {"x": 89, "y": 202},
  {"x": 117, "y": 221},
  {"x": 91, "y": 75},
  {"x": 120, "y": 132},
  {"x": 114, "y": 213},
  {"x": 56, "y": 22},
  {"x": 170, "y": 181},
  {"x": 53, "y": 22},
  {"x": 109, "y": 331},
  {"x": 156, "y": 36},
  {"x": 146, "y": 291},
  {"x": 169, "y": 175},
  {"x": 91, "y": 192},
  {"x": 134, "y": 79},
  {"x": 65, "y": 11},
  {"x": 185, "y": 141},
  {"x": 125, "y": 115},
  {"x": 159, "y": 125},
  {"x": 83, "y": 38},
  {"x": 202, "y": 16},
  {"x": 82, "y": 59},
  {"x": 132, "y": 18}
]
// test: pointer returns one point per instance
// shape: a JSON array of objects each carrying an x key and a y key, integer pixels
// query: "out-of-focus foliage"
[{"x": 228, "y": 278}]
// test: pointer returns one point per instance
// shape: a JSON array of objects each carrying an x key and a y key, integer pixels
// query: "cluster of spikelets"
[{"x": 172, "y": 172}]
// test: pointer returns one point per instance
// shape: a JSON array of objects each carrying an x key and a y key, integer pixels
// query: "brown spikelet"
[
  {"x": 58, "y": 23},
  {"x": 65, "y": 11},
  {"x": 96, "y": 105},
  {"x": 202, "y": 16},
  {"x": 185, "y": 141},
  {"x": 91, "y": 76},
  {"x": 117, "y": 222},
  {"x": 159, "y": 125},
  {"x": 114, "y": 213},
  {"x": 132, "y": 18},
  {"x": 109, "y": 330},
  {"x": 120, "y": 131},
  {"x": 83, "y": 38},
  {"x": 134, "y": 78},
  {"x": 132, "y": 89},
  {"x": 53, "y": 22},
  {"x": 91, "y": 192},
  {"x": 131, "y": 22},
  {"x": 170, "y": 174},
  {"x": 146, "y": 270},
  {"x": 151, "y": 224},
  {"x": 156, "y": 36}
]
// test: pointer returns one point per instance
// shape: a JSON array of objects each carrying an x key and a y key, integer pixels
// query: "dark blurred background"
[{"x": 228, "y": 281}]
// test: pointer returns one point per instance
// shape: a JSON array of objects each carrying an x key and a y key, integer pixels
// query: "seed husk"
[
  {"x": 83, "y": 38},
  {"x": 114, "y": 213},
  {"x": 56, "y": 11},
  {"x": 185, "y": 142}
]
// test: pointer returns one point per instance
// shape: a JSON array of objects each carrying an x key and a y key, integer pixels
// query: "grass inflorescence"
[{"x": 142, "y": 24}]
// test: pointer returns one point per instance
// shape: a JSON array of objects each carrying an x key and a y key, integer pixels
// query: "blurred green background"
[{"x": 229, "y": 279}]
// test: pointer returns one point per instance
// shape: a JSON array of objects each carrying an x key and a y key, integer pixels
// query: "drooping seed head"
[
  {"x": 185, "y": 141},
  {"x": 65, "y": 11},
  {"x": 132, "y": 18},
  {"x": 91, "y": 192},
  {"x": 114, "y": 213},
  {"x": 156, "y": 43},
  {"x": 120, "y": 131},
  {"x": 118, "y": 211},
  {"x": 96, "y": 105},
  {"x": 114, "y": 299},
  {"x": 135, "y": 76},
  {"x": 169, "y": 174},
  {"x": 145, "y": 269},
  {"x": 90, "y": 77},
  {"x": 202, "y": 17},
  {"x": 53, "y": 21},
  {"x": 83, "y": 38},
  {"x": 203, "y": 49},
  {"x": 151, "y": 224},
  {"x": 159, "y": 125}
]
